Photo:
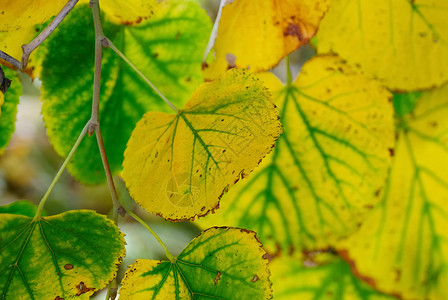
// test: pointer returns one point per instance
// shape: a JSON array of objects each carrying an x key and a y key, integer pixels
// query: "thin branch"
[
  {"x": 214, "y": 34},
  {"x": 28, "y": 48},
  {"x": 170, "y": 104},
  {"x": 61, "y": 169},
  {"x": 168, "y": 254}
]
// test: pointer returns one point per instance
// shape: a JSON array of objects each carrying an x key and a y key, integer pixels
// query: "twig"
[
  {"x": 214, "y": 34},
  {"x": 27, "y": 49},
  {"x": 170, "y": 104}
]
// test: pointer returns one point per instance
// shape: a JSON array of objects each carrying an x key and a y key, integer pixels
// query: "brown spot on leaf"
[
  {"x": 294, "y": 29},
  {"x": 255, "y": 278},
  {"x": 345, "y": 255},
  {"x": 177, "y": 35},
  {"x": 217, "y": 278},
  {"x": 58, "y": 298},
  {"x": 82, "y": 289},
  {"x": 391, "y": 152},
  {"x": 68, "y": 266}
]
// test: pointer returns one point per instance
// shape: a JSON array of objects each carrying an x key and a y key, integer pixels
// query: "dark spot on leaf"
[
  {"x": 5, "y": 83},
  {"x": 391, "y": 152},
  {"x": 255, "y": 278},
  {"x": 58, "y": 298},
  {"x": 68, "y": 266},
  {"x": 203, "y": 208},
  {"x": 188, "y": 79},
  {"x": 155, "y": 54},
  {"x": 177, "y": 35},
  {"x": 217, "y": 278},
  {"x": 82, "y": 289},
  {"x": 204, "y": 65},
  {"x": 294, "y": 29}
]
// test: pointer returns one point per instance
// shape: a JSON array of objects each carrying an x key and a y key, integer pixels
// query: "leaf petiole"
[
  {"x": 40, "y": 208},
  {"x": 168, "y": 254},
  {"x": 119, "y": 53}
]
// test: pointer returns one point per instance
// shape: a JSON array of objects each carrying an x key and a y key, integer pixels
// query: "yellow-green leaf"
[
  {"x": 403, "y": 245},
  {"x": 310, "y": 279},
  {"x": 221, "y": 263},
  {"x": 8, "y": 108},
  {"x": 63, "y": 256},
  {"x": 404, "y": 43},
  {"x": 179, "y": 165},
  {"x": 327, "y": 165},
  {"x": 21, "y": 207},
  {"x": 260, "y": 33},
  {"x": 18, "y": 19}
]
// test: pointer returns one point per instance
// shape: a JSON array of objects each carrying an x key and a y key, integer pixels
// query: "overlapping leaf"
[
  {"x": 8, "y": 108},
  {"x": 404, "y": 43},
  {"x": 179, "y": 165},
  {"x": 403, "y": 245},
  {"x": 71, "y": 254},
  {"x": 221, "y": 263},
  {"x": 260, "y": 33},
  {"x": 18, "y": 21},
  {"x": 167, "y": 48},
  {"x": 311, "y": 279},
  {"x": 326, "y": 167},
  {"x": 21, "y": 207}
]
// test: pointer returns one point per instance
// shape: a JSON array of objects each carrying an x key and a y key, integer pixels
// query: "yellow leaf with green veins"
[
  {"x": 221, "y": 263},
  {"x": 179, "y": 165},
  {"x": 294, "y": 278},
  {"x": 71, "y": 254},
  {"x": 327, "y": 165},
  {"x": 18, "y": 19},
  {"x": 271, "y": 29},
  {"x": 403, "y": 245},
  {"x": 404, "y": 43}
]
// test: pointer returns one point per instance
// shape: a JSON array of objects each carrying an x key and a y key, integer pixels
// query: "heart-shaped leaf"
[
  {"x": 221, "y": 263},
  {"x": 180, "y": 165}
]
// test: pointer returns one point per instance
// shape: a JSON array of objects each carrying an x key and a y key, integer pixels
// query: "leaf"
[
  {"x": 71, "y": 254},
  {"x": 403, "y": 43},
  {"x": 8, "y": 108},
  {"x": 403, "y": 245},
  {"x": 260, "y": 33},
  {"x": 158, "y": 46},
  {"x": 221, "y": 263},
  {"x": 293, "y": 278},
  {"x": 326, "y": 167},
  {"x": 21, "y": 207},
  {"x": 18, "y": 20},
  {"x": 180, "y": 165},
  {"x": 128, "y": 12}
]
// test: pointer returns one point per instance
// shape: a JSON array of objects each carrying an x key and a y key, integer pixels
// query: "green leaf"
[
  {"x": 327, "y": 165},
  {"x": 405, "y": 103},
  {"x": 8, "y": 108},
  {"x": 62, "y": 256},
  {"x": 167, "y": 47},
  {"x": 311, "y": 279},
  {"x": 180, "y": 165},
  {"x": 403, "y": 43},
  {"x": 403, "y": 245},
  {"x": 221, "y": 263},
  {"x": 21, "y": 207}
]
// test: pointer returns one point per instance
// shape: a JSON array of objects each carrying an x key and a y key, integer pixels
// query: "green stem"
[
  {"x": 170, "y": 104},
  {"x": 168, "y": 254},
  {"x": 288, "y": 72},
  {"x": 40, "y": 208}
]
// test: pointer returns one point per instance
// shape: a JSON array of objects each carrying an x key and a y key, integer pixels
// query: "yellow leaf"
[
  {"x": 403, "y": 245},
  {"x": 260, "y": 33},
  {"x": 179, "y": 165},
  {"x": 310, "y": 278},
  {"x": 327, "y": 165},
  {"x": 403, "y": 43},
  {"x": 128, "y": 12},
  {"x": 18, "y": 19}
]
